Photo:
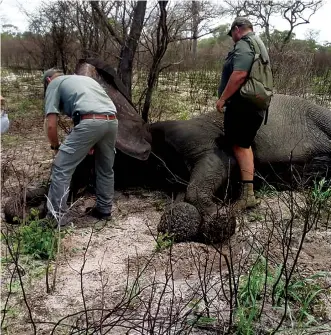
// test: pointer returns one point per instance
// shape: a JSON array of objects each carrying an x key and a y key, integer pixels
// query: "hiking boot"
[
  {"x": 51, "y": 221},
  {"x": 48, "y": 222},
  {"x": 247, "y": 198},
  {"x": 93, "y": 211}
]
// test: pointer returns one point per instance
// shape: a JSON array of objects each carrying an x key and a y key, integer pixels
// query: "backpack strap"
[
  {"x": 261, "y": 52},
  {"x": 258, "y": 47}
]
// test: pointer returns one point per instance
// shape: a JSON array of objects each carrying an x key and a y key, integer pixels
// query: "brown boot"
[{"x": 247, "y": 198}]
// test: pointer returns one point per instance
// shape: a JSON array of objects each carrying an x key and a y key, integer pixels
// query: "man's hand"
[
  {"x": 236, "y": 79},
  {"x": 55, "y": 148},
  {"x": 220, "y": 104}
]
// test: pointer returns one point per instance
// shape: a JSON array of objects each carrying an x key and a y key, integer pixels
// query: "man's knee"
[{"x": 242, "y": 151}]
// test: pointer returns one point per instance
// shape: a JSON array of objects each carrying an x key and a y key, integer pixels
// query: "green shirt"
[
  {"x": 239, "y": 59},
  {"x": 71, "y": 93}
]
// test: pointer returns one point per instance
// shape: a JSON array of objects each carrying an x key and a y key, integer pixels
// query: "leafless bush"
[
  {"x": 153, "y": 299},
  {"x": 211, "y": 298},
  {"x": 293, "y": 72}
]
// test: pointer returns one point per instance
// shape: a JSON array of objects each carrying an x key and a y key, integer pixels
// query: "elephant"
[
  {"x": 296, "y": 141},
  {"x": 297, "y": 134},
  {"x": 294, "y": 145}
]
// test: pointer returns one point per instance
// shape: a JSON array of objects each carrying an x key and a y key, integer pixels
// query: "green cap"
[
  {"x": 240, "y": 22},
  {"x": 50, "y": 73}
]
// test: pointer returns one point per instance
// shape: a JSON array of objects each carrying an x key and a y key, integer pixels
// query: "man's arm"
[
  {"x": 242, "y": 62},
  {"x": 51, "y": 129},
  {"x": 52, "y": 103},
  {"x": 236, "y": 79}
]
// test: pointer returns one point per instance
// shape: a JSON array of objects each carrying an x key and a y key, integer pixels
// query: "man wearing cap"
[
  {"x": 241, "y": 118},
  {"x": 94, "y": 116}
]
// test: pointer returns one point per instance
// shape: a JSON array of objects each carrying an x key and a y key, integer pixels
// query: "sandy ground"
[{"x": 114, "y": 267}]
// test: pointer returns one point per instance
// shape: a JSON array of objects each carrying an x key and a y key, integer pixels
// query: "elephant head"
[{"x": 133, "y": 137}]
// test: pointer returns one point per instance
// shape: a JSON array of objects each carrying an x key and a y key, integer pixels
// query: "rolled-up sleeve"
[
  {"x": 52, "y": 99},
  {"x": 243, "y": 56}
]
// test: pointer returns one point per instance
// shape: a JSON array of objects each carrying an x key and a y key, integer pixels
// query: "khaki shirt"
[
  {"x": 239, "y": 59},
  {"x": 72, "y": 93}
]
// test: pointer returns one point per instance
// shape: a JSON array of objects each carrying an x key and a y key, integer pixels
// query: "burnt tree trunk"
[
  {"x": 195, "y": 26},
  {"x": 130, "y": 46},
  {"x": 162, "y": 41},
  {"x": 128, "y": 43}
]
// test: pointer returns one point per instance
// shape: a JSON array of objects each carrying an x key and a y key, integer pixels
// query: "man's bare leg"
[{"x": 245, "y": 159}]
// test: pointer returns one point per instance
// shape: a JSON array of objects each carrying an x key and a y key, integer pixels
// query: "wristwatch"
[{"x": 56, "y": 147}]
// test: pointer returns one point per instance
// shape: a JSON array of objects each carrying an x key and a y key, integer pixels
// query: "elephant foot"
[
  {"x": 180, "y": 197},
  {"x": 211, "y": 211},
  {"x": 15, "y": 211},
  {"x": 218, "y": 227},
  {"x": 184, "y": 223},
  {"x": 181, "y": 221},
  {"x": 20, "y": 204},
  {"x": 35, "y": 195}
]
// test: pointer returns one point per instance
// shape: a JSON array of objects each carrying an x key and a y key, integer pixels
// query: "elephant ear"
[{"x": 133, "y": 136}]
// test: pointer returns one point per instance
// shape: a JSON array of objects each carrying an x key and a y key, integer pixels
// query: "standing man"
[
  {"x": 95, "y": 125},
  {"x": 242, "y": 118}
]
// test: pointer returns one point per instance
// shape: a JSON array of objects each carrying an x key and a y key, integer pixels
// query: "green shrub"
[
  {"x": 164, "y": 241},
  {"x": 249, "y": 296},
  {"x": 35, "y": 237},
  {"x": 321, "y": 193},
  {"x": 300, "y": 295}
]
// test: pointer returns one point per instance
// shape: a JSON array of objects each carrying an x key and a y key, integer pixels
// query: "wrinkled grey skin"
[
  {"x": 297, "y": 137},
  {"x": 297, "y": 132}
]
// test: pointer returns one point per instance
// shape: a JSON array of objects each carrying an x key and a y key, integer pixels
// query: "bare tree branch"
[{"x": 107, "y": 24}]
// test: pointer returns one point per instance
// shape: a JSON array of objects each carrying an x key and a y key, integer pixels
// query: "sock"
[{"x": 247, "y": 187}]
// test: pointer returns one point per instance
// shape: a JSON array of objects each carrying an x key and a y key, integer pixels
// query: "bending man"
[{"x": 94, "y": 115}]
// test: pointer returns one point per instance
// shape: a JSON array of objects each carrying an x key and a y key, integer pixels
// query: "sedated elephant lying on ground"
[
  {"x": 297, "y": 137},
  {"x": 294, "y": 145}
]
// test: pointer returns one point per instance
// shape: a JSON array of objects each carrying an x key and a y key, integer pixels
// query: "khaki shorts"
[{"x": 241, "y": 123}]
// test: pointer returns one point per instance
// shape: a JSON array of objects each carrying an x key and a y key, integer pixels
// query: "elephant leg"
[
  {"x": 180, "y": 197},
  {"x": 199, "y": 218},
  {"x": 208, "y": 175}
]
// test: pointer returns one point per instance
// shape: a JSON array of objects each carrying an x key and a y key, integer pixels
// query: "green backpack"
[{"x": 258, "y": 86}]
